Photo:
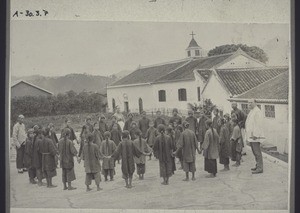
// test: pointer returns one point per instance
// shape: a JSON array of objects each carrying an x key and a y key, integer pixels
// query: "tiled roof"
[
  {"x": 148, "y": 74},
  {"x": 276, "y": 88},
  {"x": 186, "y": 71},
  {"x": 238, "y": 81},
  {"x": 193, "y": 43}
]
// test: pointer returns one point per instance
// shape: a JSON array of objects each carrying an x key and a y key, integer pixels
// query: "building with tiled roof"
[
  {"x": 272, "y": 97},
  {"x": 190, "y": 80}
]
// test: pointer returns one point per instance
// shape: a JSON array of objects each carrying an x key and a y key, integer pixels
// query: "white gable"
[
  {"x": 241, "y": 61},
  {"x": 217, "y": 93}
]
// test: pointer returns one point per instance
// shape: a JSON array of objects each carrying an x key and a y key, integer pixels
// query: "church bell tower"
[{"x": 194, "y": 50}]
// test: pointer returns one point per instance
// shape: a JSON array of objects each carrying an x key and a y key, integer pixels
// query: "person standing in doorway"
[
  {"x": 19, "y": 137},
  {"x": 254, "y": 134}
]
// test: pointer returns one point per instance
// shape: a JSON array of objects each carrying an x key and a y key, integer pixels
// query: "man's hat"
[{"x": 175, "y": 110}]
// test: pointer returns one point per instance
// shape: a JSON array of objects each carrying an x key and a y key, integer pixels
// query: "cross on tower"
[{"x": 192, "y": 34}]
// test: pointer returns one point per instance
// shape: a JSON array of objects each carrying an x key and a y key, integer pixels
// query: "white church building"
[{"x": 190, "y": 80}]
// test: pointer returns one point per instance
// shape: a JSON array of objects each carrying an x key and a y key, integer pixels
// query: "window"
[
  {"x": 270, "y": 111},
  {"x": 197, "y": 52},
  {"x": 182, "y": 95},
  {"x": 245, "y": 108},
  {"x": 189, "y": 53},
  {"x": 162, "y": 95},
  {"x": 198, "y": 93},
  {"x": 113, "y": 104}
]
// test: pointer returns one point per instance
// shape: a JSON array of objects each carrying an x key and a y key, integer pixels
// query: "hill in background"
[{"x": 75, "y": 82}]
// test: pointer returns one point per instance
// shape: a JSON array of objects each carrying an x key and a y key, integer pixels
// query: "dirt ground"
[{"x": 237, "y": 189}]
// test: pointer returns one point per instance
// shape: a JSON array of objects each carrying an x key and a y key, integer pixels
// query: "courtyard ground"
[{"x": 237, "y": 189}]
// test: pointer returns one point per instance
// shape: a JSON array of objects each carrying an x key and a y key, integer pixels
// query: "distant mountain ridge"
[{"x": 75, "y": 82}]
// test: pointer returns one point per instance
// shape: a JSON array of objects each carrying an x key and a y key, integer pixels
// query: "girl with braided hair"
[
  {"x": 211, "y": 149},
  {"x": 140, "y": 162},
  {"x": 107, "y": 148},
  {"x": 163, "y": 147},
  {"x": 126, "y": 150},
  {"x": 67, "y": 151}
]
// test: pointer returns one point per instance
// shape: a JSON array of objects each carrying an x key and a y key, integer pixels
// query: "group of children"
[{"x": 130, "y": 142}]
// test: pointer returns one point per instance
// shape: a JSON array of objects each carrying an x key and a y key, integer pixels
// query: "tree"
[
  {"x": 253, "y": 51},
  {"x": 207, "y": 107}
]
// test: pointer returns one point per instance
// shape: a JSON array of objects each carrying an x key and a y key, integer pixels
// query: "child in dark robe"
[
  {"x": 67, "y": 152},
  {"x": 86, "y": 130},
  {"x": 48, "y": 151},
  {"x": 159, "y": 120},
  {"x": 211, "y": 149},
  {"x": 151, "y": 135},
  {"x": 54, "y": 139},
  {"x": 163, "y": 147},
  {"x": 91, "y": 156},
  {"x": 107, "y": 149},
  {"x": 36, "y": 155},
  {"x": 132, "y": 130},
  {"x": 116, "y": 136},
  {"x": 140, "y": 162},
  {"x": 236, "y": 142},
  {"x": 228, "y": 124},
  {"x": 113, "y": 122},
  {"x": 215, "y": 123},
  {"x": 128, "y": 122},
  {"x": 67, "y": 125},
  {"x": 188, "y": 145},
  {"x": 102, "y": 126},
  {"x": 97, "y": 136},
  {"x": 28, "y": 156},
  {"x": 127, "y": 150},
  {"x": 143, "y": 124},
  {"x": 170, "y": 132},
  {"x": 224, "y": 144}
]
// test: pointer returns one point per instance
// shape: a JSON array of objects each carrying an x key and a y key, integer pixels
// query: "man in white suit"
[{"x": 254, "y": 134}]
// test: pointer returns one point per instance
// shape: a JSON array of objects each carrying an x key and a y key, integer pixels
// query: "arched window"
[
  {"x": 182, "y": 95},
  {"x": 162, "y": 95},
  {"x": 141, "y": 105},
  {"x": 113, "y": 104}
]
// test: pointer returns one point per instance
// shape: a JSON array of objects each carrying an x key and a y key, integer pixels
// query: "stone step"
[
  {"x": 269, "y": 147},
  {"x": 273, "y": 152}
]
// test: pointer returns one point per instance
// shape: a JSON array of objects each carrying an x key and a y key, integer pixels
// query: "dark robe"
[
  {"x": 192, "y": 123},
  {"x": 224, "y": 145},
  {"x": 107, "y": 149},
  {"x": 163, "y": 147},
  {"x": 67, "y": 151},
  {"x": 48, "y": 151},
  {"x": 86, "y": 129},
  {"x": 132, "y": 132},
  {"x": 127, "y": 125},
  {"x": 36, "y": 155},
  {"x": 158, "y": 121},
  {"x": 126, "y": 150},
  {"x": 215, "y": 124},
  {"x": 143, "y": 125},
  {"x": 103, "y": 128},
  {"x": 97, "y": 138},
  {"x": 229, "y": 126},
  {"x": 28, "y": 153},
  {"x": 116, "y": 136},
  {"x": 201, "y": 129},
  {"x": 151, "y": 135},
  {"x": 142, "y": 146},
  {"x": 241, "y": 117},
  {"x": 176, "y": 119},
  {"x": 91, "y": 156},
  {"x": 188, "y": 144},
  {"x": 211, "y": 150}
]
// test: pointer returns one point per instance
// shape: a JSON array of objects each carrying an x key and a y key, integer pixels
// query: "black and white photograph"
[{"x": 115, "y": 115}]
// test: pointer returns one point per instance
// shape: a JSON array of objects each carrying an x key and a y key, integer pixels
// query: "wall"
[
  {"x": 133, "y": 93},
  {"x": 217, "y": 94},
  {"x": 240, "y": 62},
  {"x": 23, "y": 89},
  {"x": 276, "y": 129}
]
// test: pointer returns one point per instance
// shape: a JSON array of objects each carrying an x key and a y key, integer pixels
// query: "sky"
[{"x": 56, "y": 48}]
